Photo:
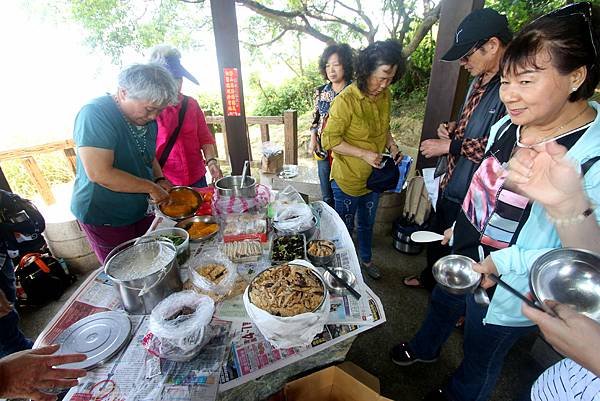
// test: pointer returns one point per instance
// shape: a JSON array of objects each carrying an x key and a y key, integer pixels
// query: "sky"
[{"x": 49, "y": 73}]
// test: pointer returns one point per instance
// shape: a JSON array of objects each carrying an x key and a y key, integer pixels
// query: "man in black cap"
[{"x": 479, "y": 44}]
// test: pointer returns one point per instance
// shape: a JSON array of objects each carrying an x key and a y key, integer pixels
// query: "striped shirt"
[{"x": 566, "y": 381}]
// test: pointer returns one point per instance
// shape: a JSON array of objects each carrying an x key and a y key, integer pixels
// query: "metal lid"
[{"x": 99, "y": 336}]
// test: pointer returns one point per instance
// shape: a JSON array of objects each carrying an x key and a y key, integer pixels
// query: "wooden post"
[
  {"x": 38, "y": 180},
  {"x": 4, "y": 182},
  {"x": 228, "y": 55},
  {"x": 448, "y": 82},
  {"x": 290, "y": 134},
  {"x": 72, "y": 158},
  {"x": 264, "y": 133}
]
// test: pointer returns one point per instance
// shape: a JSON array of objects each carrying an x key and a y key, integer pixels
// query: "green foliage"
[
  {"x": 520, "y": 12},
  {"x": 296, "y": 93},
  {"x": 116, "y": 25},
  {"x": 211, "y": 102}
]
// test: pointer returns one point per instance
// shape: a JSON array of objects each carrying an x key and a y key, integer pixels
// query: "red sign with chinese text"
[{"x": 232, "y": 92}]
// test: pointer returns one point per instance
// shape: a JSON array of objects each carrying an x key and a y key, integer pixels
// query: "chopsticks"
[{"x": 340, "y": 280}]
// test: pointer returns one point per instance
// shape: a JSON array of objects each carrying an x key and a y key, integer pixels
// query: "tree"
[{"x": 335, "y": 20}]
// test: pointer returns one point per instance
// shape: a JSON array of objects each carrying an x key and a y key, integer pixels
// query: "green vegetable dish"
[{"x": 175, "y": 239}]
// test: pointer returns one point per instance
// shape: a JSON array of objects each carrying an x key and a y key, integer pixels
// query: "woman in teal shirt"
[{"x": 116, "y": 165}]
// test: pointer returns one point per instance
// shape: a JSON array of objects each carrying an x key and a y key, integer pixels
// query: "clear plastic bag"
[
  {"x": 179, "y": 326},
  {"x": 222, "y": 205},
  {"x": 271, "y": 149},
  {"x": 293, "y": 218},
  {"x": 203, "y": 282}
]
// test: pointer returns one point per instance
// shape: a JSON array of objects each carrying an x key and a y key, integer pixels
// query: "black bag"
[
  {"x": 384, "y": 178},
  {"x": 21, "y": 224},
  {"x": 41, "y": 278}
]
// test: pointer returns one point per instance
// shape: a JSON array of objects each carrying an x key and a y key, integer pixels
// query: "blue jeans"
[
  {"x": 324, "y": 172},
  {"x": 11, "y": 338},
  {"x": 366, "y": 207},
  {"x": 484, "y": 346}
]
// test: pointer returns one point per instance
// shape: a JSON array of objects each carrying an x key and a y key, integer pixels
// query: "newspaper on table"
[
  {"x": 134, "y": 374},
  {"x": 237, "y": 355}
]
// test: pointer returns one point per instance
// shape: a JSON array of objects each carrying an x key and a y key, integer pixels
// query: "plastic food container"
[{"x": 285, "y": 248}]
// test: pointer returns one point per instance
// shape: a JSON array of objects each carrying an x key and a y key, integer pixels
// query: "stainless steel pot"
[
  {"x": 144, "y": 272},
  {"x": 230, "y": 186}
]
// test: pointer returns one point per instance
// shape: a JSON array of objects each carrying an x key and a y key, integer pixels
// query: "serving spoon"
[{"x": 426, "y": 236}]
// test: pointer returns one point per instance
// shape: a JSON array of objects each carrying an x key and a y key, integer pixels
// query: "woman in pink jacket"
[{"x": 193, "y": 150}]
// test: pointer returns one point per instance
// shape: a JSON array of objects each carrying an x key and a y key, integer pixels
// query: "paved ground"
[{"x": 404, "y": 309}]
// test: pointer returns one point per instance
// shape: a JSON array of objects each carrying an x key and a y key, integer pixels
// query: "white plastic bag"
[
  {"x": 293, "y": 331},
  {"x": 175, "y": 335},
  {"x": 214, "y": 257},
  {"x": 293, "y": 218}
]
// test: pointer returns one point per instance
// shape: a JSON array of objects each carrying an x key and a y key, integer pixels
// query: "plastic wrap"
[
  {"x": 178, "y": 327},
  {"x": 204, "y": 284}
]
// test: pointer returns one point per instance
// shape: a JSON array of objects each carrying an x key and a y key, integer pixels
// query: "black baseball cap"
[{"x": 478, "y": 26}]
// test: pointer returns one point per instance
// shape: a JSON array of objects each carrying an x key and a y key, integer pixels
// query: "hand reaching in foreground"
[
  {"x": 571, "y": 333},
  {"x": 545, "y": 175},
  {"x": 24, "y": 373}
]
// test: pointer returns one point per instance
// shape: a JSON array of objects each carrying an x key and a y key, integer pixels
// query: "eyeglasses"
[
  {"x": 583, "y": 9},
  {"x": 477, "y": 46}
]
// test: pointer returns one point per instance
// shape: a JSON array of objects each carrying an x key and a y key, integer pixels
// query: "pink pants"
[{"x": 104, "y": 239}]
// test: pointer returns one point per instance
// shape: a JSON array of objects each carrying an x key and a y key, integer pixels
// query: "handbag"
[
  {"x": 165, "y": 154},
  {"x": 385, "y": 177}
]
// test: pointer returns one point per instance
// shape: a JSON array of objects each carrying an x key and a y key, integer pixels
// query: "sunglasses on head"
[{"x": 583, "y": 9}]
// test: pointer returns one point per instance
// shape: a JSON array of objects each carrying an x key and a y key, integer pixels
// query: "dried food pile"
[{"x": 287, "y": 290}]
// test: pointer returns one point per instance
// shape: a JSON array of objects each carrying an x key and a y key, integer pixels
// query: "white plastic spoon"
[{"x": 426, "y": 236}]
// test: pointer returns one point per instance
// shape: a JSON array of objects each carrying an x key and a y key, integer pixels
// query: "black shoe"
[
  {"x": 402, "y": 355},
  {"x": 436, "y": 395},
  {"x": 372, "y": 271}
]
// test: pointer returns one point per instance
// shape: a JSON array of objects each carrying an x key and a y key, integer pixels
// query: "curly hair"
[
  {"x": 345, "y": 56},
  {"x": 388, "y": 52},
  {"x": 572, "y": 40}
]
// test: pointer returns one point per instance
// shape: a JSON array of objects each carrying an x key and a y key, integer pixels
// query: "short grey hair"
[{"x": 150, "y": 82}]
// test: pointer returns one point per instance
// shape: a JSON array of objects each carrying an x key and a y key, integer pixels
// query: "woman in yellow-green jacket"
[{"x": 358, "y": 131}]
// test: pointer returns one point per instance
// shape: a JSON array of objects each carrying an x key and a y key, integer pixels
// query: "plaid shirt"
[{"x": 470, "y": 148}]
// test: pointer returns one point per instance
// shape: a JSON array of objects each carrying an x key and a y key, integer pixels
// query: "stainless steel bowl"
[
  {"x": 230, "y": 186},
  {"x": 320, "y": 260},
  {"x": 342, "y": 273},
  {"x": 455, "y": 273},
  {"x": 193, "y": 208},
  {"x": 185, "y": 224},
  {"x": 569, "y": 276}
]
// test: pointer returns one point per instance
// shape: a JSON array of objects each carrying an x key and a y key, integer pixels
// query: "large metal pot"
[
  {"x": 230, "y": 186},
  {"x": 144, "y": 272}
]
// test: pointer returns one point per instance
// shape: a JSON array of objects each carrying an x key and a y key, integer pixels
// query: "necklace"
[
  {"x": 555, "y": 132},
  {"x": 138, "y": 134}
]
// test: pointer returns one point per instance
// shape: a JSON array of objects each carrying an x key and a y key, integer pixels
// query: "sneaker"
[
  {"x": 436, "y": 395},
  {"x": 402, "y": 355},
  {"x": 372, "y": 271}
]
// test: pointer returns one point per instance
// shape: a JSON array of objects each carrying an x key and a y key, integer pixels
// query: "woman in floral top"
[{"x": 336, "y": 65}]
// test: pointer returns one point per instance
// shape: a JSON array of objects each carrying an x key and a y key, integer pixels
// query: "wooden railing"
[
  {"x": 289, "y": 119},
  {"x": 27, "y": 157}
]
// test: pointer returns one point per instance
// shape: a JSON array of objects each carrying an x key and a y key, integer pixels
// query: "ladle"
[
  {"x": 244, "y": 172},
  {"x": 480, "y": 295},
  {"x": 426, "y": 236}
]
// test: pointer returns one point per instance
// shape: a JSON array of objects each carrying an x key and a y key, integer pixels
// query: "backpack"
[
  {"x": 21, "y": 225},
  {"x": 41, "y": 278}
]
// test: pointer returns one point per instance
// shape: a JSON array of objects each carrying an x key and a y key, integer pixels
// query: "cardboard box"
[
  {"x": 344, "y": 382},
  {"x": 272, "y": 164}
]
